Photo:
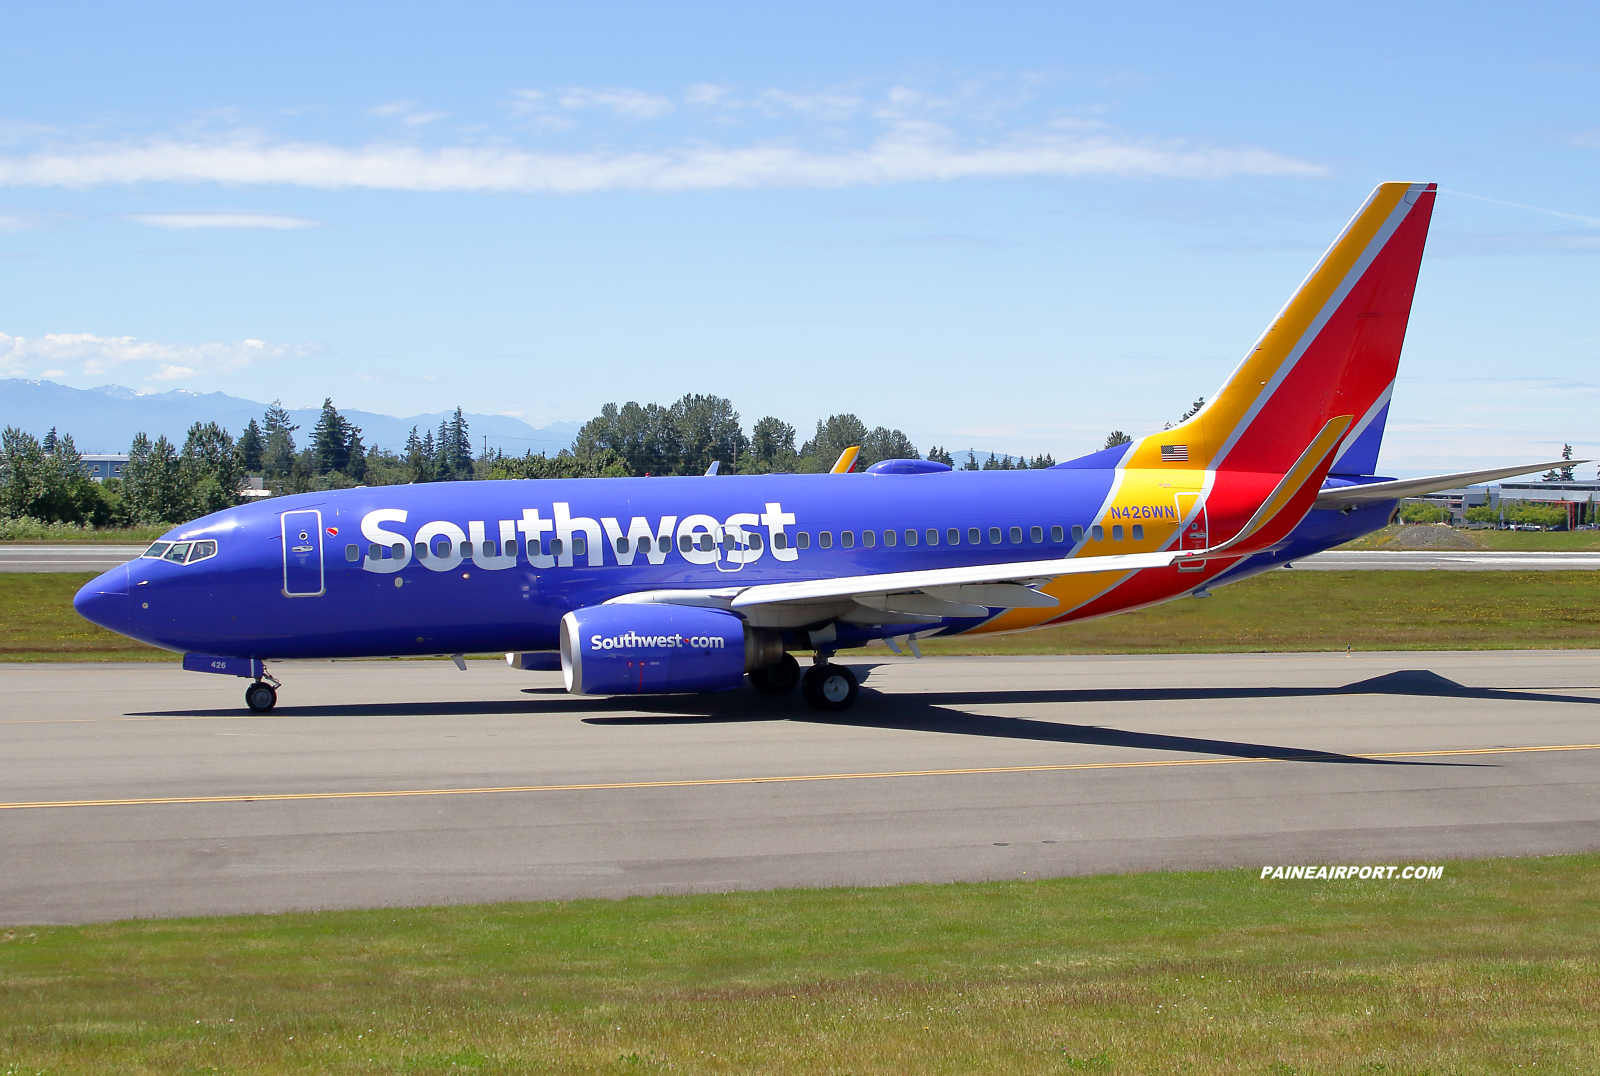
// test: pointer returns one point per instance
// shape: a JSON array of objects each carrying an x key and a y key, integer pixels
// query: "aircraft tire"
[
  {"x": 830, "y": 687},
  {"x": 260, "y": 697},
  {"x": 778, "y": 679}
]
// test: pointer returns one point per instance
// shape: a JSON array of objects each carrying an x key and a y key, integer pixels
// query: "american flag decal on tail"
[{"x": 1174, "y": 453}]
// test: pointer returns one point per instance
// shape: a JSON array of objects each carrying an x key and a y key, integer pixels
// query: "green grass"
[
  {"x": 38, "y": 623},
  {"x": 1495, "y": 968},
  {"x": 1311, "y": 611},
  {"x": 33, "y": 532},
  {"x": 1396, "y": 537},
  {"x": 1282, "y": 611}
]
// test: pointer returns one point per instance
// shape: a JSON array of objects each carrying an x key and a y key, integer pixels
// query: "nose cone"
[{"x": 104, "y": 600}]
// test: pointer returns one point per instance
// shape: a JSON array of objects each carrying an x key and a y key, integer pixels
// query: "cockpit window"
[
  {"x": 202, "y": 550},
  {"x": 157, "y": 550},
  {"x": 178, "y": 551}
]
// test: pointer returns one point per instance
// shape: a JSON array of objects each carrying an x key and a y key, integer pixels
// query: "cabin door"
[{"x": 302, "y": 554}]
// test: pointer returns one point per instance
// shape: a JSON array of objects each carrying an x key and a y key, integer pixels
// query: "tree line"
[{"x": 163, "y": 482}]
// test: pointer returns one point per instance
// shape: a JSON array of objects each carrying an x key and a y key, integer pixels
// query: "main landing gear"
[
  {"x": 779, "y": 679},
  {"x": 262, "y": 695},
  {"x": 829, "y": 687},
  {"x": 825, "y": 686}
]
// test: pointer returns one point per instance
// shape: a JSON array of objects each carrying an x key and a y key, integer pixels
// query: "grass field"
[
  {"x": 1283, "y": 611},
  {"x": 1495, "y": 968},
  {"x": 1400, "y": 537}
]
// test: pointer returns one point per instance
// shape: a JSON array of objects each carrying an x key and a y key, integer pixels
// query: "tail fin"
[{"x": 1332, "y": 350}]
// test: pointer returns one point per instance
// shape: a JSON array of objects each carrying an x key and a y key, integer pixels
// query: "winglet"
[
  {"x": 1299, "y": 488},
  {"x": 846, "y": 460}
]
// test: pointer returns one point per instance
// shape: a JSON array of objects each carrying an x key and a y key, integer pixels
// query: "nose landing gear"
[{"x": 262, "y": 695}]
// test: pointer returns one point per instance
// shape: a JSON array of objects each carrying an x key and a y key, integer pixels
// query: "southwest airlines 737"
[{"x": 656, "y": 585}]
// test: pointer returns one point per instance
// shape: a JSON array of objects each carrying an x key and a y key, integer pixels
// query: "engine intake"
[{"x": 660, "y": 649}]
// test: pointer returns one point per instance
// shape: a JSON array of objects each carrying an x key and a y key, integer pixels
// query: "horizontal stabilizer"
[{"x": 1373, "y": 492}]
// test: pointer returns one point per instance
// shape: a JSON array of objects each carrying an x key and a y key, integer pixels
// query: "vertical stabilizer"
[{"x": 1332, "y": 351}]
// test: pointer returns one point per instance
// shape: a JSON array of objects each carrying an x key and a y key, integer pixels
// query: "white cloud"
[
  {"x": 97, "y": 354},
  {"x": 407, "y": 112},
  {"x": 52, "y": 373},
  {"x": 186, "y": 221},
  {"x": 909, "y": 152},
  {"x": 624, "y": 102}
]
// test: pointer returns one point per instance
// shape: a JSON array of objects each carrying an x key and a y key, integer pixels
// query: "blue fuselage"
[{"x": 492, "y": 566}]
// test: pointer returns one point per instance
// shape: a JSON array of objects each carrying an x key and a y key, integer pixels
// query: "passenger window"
[
  {"x": 178, "y": 551},
  {"x": 1036, "y": 534},
  {"x": 622, "y": 545},
  {"x": 932, "y": 536},
  {"x": 1138, "y": 532},
  {"x": 352, "y": 553},
  {"x": 869, "y": 539},
  {"x": 685, "y": 543},
  {"x": 994, "y": 535},
  {"x": 911, "y": 536},
  {"x": 780, "y": 541},
  {"x": 557, "y": 547},
  {"x": 802, "y": 540},
  {"x": 974, "y": 536},
  {"x": 706, "y": 543},
  {"x": 1056, "y": 534},
  {"x": 889, "y": 539},
  {"x": 755, "y": 541},
  {"x": 399, "y": 550},
  {"x": 953, "y": 536},
  {"x": 1016, "y": 535},
  {"x": 825, "y": 539},
  {"x": 847, "y": 539},
  {"x": 1077, "y": 534},
  {"x": 374, "y": 551},
  {"x": 1099, "y": 533},
  {"x": 580, "y": 545},
  {"x": 157, "y": 550},
  {"x": 1116, "y": 532},
  {"x": 513, "y": 548}
]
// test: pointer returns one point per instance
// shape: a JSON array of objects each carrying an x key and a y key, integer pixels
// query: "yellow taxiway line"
[{"x": 276, "y": 797}]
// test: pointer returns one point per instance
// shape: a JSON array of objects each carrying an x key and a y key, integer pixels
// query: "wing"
[
  {"x": 1372, "y": 492},
  {"x": 976, "y": 590}
]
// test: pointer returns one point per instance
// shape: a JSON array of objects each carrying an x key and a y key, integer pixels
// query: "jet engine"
[{"x": 658, "y": 649}]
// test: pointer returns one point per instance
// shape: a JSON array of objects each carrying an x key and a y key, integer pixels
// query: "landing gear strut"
[
  {"x": 778, "y": 679},
  {"x": 829, "y": 687}
]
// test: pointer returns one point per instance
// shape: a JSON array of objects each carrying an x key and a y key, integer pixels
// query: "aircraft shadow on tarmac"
[{"x": 939, "y": 711}]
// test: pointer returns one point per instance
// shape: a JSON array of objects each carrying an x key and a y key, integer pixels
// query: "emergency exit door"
[{"x": 302, "y": 554}]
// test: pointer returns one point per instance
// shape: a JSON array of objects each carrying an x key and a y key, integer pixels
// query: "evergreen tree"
[
  {"x": 834, "y": 434},
  {"x": 277, "y": 458},
  {"x": 1117, "y": 437},
  {"x": 356, "y": 453},
  {"x": 453, "y": 452},
  {"x": 1044, "y": 459},
  {"x": 330, "y": 440},
  {"x": 972, "y": 461},
  {"x": 209, "y": 472},
  {"x": 419, "y": 457},
  {"x": 885, "y": 444},
  {"x": 50, "y": 442},
  {"x": 939, "y": 455},
  {"x": 1193, "y": 410},
  {"x": 151, "y": 483},
  {"x": 992, "y": 463},
  {"x": 772, "y": 444},
  {"x": 250, "y": 445}
]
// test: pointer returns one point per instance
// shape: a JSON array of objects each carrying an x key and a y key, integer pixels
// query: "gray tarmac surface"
[
  {"x": 99, "y": 558},
  {"x": 407, "y": 783},
  {"x": 85, "y": 557},
  {"x": 1410, "y": 561}
]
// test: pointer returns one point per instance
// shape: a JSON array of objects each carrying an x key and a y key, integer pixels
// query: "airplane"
[{"x": 658, "y": 585}]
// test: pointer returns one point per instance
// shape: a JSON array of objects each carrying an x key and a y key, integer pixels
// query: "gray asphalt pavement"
[
  {"x": 1381, "y": 560},
  {"x": 84, "y": 557},
  {"x": 141, "y": 790}
]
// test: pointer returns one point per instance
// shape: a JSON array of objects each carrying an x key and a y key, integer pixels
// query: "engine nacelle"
[{"x": 650, "y": 649}]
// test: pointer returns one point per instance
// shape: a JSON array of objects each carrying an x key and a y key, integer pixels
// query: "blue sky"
[{"x": 1008, "y": 225}]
